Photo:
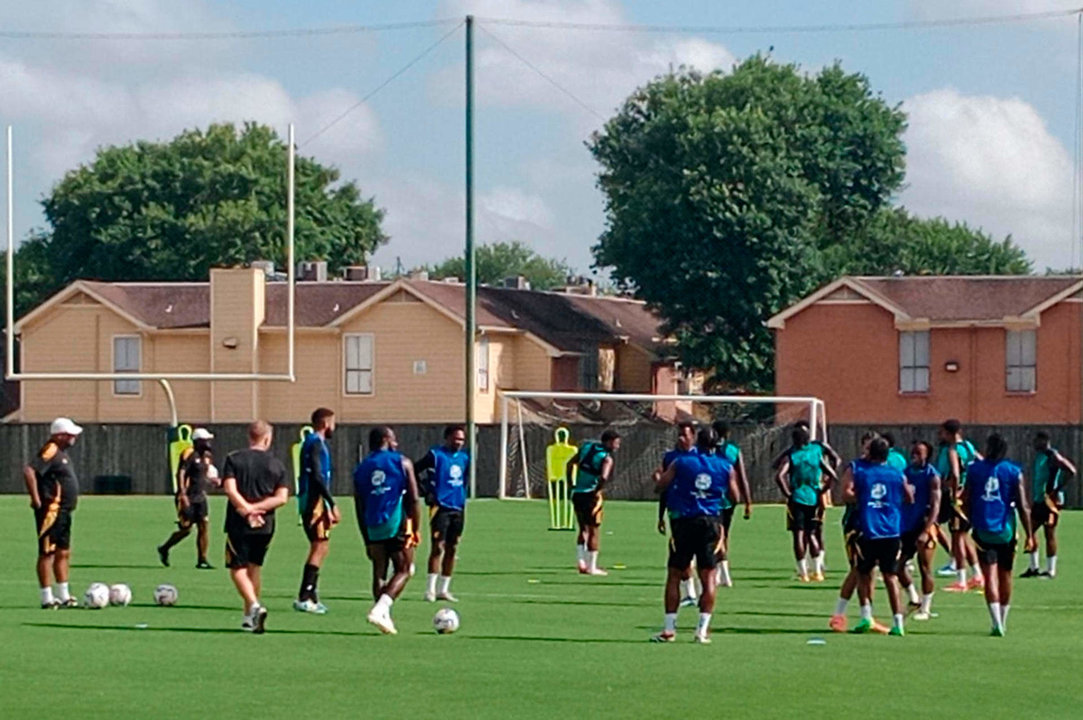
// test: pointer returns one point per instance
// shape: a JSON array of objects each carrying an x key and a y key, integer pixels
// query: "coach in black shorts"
[{"x": 255, "y": 483}]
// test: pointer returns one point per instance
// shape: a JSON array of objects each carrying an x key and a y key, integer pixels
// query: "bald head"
[{"x": 259, "y": 434}]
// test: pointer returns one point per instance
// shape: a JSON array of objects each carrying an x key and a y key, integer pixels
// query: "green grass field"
[{"x": 537, "y": 640}]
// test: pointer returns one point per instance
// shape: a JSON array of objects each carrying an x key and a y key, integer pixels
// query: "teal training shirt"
[
  {"x": 805, "y": 474},
  {"x": 731, "y": 453},
  {"x": 1045, "y": 480},
  {"x": 588, "y": 461},
  {"x": 897, "y": 460}
]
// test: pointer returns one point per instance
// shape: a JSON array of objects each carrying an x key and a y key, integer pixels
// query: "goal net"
[{"x": 534, "y": 424}]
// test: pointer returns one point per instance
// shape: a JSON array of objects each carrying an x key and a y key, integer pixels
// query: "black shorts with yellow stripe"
[
  {"x": 54, "y": 529},
  {"x": 958, "y": 522},
  {"x": 697, "y": 537},
  {"x": 446, "y": 524},
  {"x": 314, "y": 520},
  {"x": 1044, "y": 514},
  {"x": 588, "y": 508},
  {"x": 803, "y": 517},
  {"x": 244, "y": 548},
  {"x": 197, "y": 512},
  {"x": 852, "y": 540}
]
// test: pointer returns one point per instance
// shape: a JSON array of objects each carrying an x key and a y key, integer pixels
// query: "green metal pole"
[{"x": 471, "y": 269}]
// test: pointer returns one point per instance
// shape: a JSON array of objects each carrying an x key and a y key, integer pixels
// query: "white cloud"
[
  {"x": 938, "y": 9},
  {"x": 515, "y": 205},
  {"x": 991, "y": 162}
]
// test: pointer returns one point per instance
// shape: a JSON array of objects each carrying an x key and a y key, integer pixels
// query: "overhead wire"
[{"x": 225, "y": 34}]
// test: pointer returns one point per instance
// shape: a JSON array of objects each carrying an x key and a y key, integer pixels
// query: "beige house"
[{"x": 374, "y": 351}]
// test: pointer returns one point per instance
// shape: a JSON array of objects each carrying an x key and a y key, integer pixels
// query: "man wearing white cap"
[
  {"x": 195, "y": 473},
  {"x": 54, "y": 490}
]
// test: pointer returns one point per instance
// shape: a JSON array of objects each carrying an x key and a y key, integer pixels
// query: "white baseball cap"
[
  {"x": 64, "y": 426},
  {"x": 202, "y": 434}
]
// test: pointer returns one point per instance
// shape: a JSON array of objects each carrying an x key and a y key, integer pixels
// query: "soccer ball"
[
  {"x": 120, "y": 594},
  {"x": 96, "y": 596},
  {"x": 165, "y": 595},
  {"x": 445, "y": 621}
]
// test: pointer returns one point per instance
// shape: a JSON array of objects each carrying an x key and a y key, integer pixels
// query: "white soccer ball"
[
  {"x": 120, "y": 594},
  {"x": 165, "y": 595},
  {"x": 445, "y": 621},
  {"x": 96, "y": 596}
]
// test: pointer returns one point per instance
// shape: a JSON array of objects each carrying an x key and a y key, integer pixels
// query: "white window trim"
[
  {"x": 345, "y": 366},
  {"x": 902, "y": 367},
  {"x": 483, "y": 350},
  {"x": 1007, "y": 366},
  {"x": 113, "y": 364}
]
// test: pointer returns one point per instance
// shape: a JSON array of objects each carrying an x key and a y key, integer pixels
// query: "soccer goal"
[{"x": 538, "y": 431}]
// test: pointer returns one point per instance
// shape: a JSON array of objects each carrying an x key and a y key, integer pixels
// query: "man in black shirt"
[
  {"x": 54, "y": 490},
  {"x": 255, "y": 483},
  {"x": 194, "y": 474}
]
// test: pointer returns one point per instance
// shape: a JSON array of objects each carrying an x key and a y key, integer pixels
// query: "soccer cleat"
[
  {"x": 382, "y": 621},
  {"x": 817, "y": 577},
  {"x": 864, "y": 626},
  {"x": 1046, "y": 575},
  {"x": 51, "y": 605},
  {"x": 69, "y": 603},
  {"x": 837, "y": 623},
  {"x": 897, "y": 631},
  {"x": 976, "y": 583},
  {"x": 689, "y": 602},
  {"x": 701, "y": 639},
  {"x": 447, "y": 597},
  {"x": 430, "y": 597},
  {"x": 666, "y": 636},
  {"x": 247, "y": 624},
  {"x": 1030, "y": 572},
  {"x": 997, "y": 632},
  {"x": 259, "y": 622},
  {"x": 598, "y": 572},
  {"x": 309, "y": 606},
  {"x": 912, "y": 608},
  {"x": 582, "y": 567},
  {"x": 204, "y": 565},
  {"x": 957, "y": 587},
  {"x": 163, "y": 555},
  {"x": 805, "y": 579},
  {"x": 922, "y": 615},
  {"x": 321, "y": 609},
  {"x": 946, "y": 571}
]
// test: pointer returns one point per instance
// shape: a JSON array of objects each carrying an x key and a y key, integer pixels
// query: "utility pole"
[{"x": 471, "y": 270}]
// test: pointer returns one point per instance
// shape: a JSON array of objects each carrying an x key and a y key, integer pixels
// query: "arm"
[
  {"x": 743, "y": 486},
  {"x": 666, "y": 478},
  {"x": 229, "y": 485},
  {"x": 935, "y": 493},
  {"x": 607, "y": 470},
  {"x": 569, "y": 468},
  {"x": 908, "y": 493},
  {"x": 316, "y": 484},
  {"x": 1022, "y": 507},
  {"x": 782, "y": 478},
  {"x": 423, "y": 469},
  {"x": 412, "y": 505},
  {"x": 661, "y": 504},
  {"x": 830, "y": 475},
  {"x": 182, "y": 483},
  {"x": 280, "y": 497},
  {"x": 30, "y": 478},
  {"x": 1064, "y": 465},
  {"x": 733, "y": 486},
  {"x": 849, "y": 493},
  {"x": 954, "y": 474},
  {"x": 833, "y": 457}
]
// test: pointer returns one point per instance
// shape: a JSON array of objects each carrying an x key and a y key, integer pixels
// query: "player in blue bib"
[
  {"x": 878, "y": 492},
  {"x": 388, "y": 515},
  {"x": 695, "y": 484},
  {"x": 954, "y": 455},
  {"x": 992, "y": 497},
  {"x": 686, "y": 443},
  {"x": 318, "y": 510},
  {"x": 731, "y": 452},
  {"x": 800, "y": 478},
  {"x": 919, "y": 528},
  {"x": 442, "y": 476},
  {"x": 1050, "y": 474}
]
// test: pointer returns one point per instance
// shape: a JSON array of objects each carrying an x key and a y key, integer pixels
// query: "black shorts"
[
  {"x": 879, "y": 552},
  {"x": 312, "y": 520},
  {"x": 54, "y": 530},
  {"x": 911, "y": 546},
  {"x": 244, "y": 548},
  {"x": 947, "y": 508},
  {"x": 958, "y": 522},
  {"x": 803, "y": 517},
  {"x": 196, "y": 512},
  {"x": 1042, "y": 515},
  {"x": 852, "y": 540},
  {"x": 1000, "y": 554},
  {"x": 446, "y": 524},
  {"x": 699, "y": 538},
  {"x": 588, "y": 508},
  {"x": 727, "y": 518},
  {"x": 394, "y": 544}
]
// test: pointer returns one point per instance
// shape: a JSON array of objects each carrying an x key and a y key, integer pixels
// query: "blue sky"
[{"x": 992, "y": 108}]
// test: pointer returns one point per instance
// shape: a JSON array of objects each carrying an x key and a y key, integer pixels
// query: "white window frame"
[
  {"x": 136, "y": 387},
  {"x": 481, "y": 364},
  {"x": 914, "y": 375},
  {"x": 346, "y": 369},
  {"x": 1021, "y": 361}
]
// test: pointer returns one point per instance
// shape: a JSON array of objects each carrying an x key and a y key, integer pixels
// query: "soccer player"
[
  {"x": 256, "y": 483},
  {"x": 442, "y": 477},
  {"x": 992, "y": 496},
  {"x": 195, "y": 474},
  {"x": 851, "y": 535},
  {"x": 799, "y": 478},
  {"x": 318, "y": 510},
  {"x": 1051, "y": 472},
  {"x": 695, "y": 484},
  {"x": 388, "y": 515},
  {"x": 731, "y": 451},
  {"x": 686, "y": 443},
  {"x": 878, "y": 492},
  {"x": 919, "y": 528},
  {"x": 954, "y": 455},
  {"x": 834, "y": 460},
  {"x": 54, "y": 491},
  {"x": 895, "y": 457},
  {"x": 593, "y": 467}
]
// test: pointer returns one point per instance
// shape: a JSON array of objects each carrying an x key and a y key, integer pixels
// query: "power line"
[
  {"x": 544, "y": 76},
  {"x": 750, "y": 29},
  {"x": 394, "y": 76},
  {"x": 224, "y": 35}
]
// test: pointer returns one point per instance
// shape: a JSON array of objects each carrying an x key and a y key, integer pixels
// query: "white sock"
[
  {"x": 724, "y": 573},
  {"x": 962, "y": 576},
  {"x": 927, "y": 603},
  {"x": 252, "y": 609},
  {"x": 671, "y": 622},
  {"x": 1051, "y": 561},
  {"x": 802, "y": 567},
  {"x": 1004, "y": 615},
  {"x": 46, "y": 595},
  {"x": 593, "y": 560},
  {"x": 913, "y": 591},
  {"x": 445, "y": 584},
  {"x": 975, "y": 570},
  {"x": 430, "y": 584},
  {"x": 818, "y": 563},
  {"x": 704, "y": 623},
  {"x": 62, "y": 593},
  {"x": 994, "y": 613},
  {"x": 866, "y": 611},
  {"x": 1035, "y": 560},
  {"x": 840, "y": 606},
  {"x": 688, "y": 589},
  {"x": 384, "y": 603},
  {"x": 581, "y": 553},
  {"x": 898, "y": 620}
]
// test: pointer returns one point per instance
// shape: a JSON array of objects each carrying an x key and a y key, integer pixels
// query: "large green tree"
[
  {"x": 729, "y": 196},
  {"x": 499, "y": 260},
  {"x": 172, "y": 210}
]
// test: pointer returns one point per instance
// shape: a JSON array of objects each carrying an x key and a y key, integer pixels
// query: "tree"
[
  {"x": 173, "y": 210},
  {"x": 721, "y": 192},
  {"x": 500, "y": 260}
]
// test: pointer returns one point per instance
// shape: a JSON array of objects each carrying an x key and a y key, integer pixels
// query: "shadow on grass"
[
  {"x": 117, "y": 566},
  {"x": 752, "y": 630},
  {"x": 212, "y": 631},
  {"x": 577, "y": 640},
  {"x": 564, "y": 601}
]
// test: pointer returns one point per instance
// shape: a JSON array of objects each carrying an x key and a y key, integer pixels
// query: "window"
[
  {"x": 1021, "y": 360},
  {"x": 481, "y": 361},
  {"x": 126, "y": 352},
  {"x": 359, "y": 352},
  {"x": 914, "y": 362},
  {"x": 588, "y": 370}
]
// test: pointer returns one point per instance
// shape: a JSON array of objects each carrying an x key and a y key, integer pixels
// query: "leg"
[
  {"x": 891, "y": 584},
  {"x": 175, "y": 538},
  {"x": 671, "y": 599},
  {"x": 378, "y": 556},
  {"x": 400, "y": 561},
  {"x": 203, "y": 537},
  {"x": 1051, "y": 548},
  {"x": 244, "y": 586},
  {"x": 307, "y": 596},
  {"x": 799, "y": 545},
  {"x": 436, "y": 556},
  {"x": 708, "y": 578},
  {"x": 45, "y": 563},
  {"x": 448, "y": 565},
  {"x": 61, "y": 565},
  {"x": 592, "y": 538},
  {"x": 255, "y": 575}
]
